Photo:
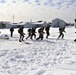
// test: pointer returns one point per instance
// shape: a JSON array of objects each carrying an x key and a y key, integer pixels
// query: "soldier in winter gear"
[
  {"x": 47, "y": 29},
  {"x": 33, "y": 33},
  {"x": 61, "y": 30},
  {"x": 20, "y": 31},
  {"x": 11, "y": 30},
  {"x": 29, "y": 33},
  {"x": 41, "y": 33}
]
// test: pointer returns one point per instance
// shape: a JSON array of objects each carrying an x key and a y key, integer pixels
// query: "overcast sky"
[{"x": 45, "y": 10}]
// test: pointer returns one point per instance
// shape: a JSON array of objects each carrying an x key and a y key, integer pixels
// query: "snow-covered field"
[{"x": 46, "y": 57}]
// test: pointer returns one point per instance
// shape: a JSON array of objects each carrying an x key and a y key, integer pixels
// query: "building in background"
[{"x": 58, "y": 23}]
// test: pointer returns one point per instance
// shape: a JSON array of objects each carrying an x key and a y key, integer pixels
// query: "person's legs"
[
  {"x": 62, "y": 35},
  {"x": 11, "y": 34},
  {"x": 59, "y": 35},
  {"x": 31, "y": 36},
  {"x": 38, "y": 38},
  {"x": 28, "y": 36},
  {"x": 34, "y": 35},
  {"x": 20, "y": 38},
  {"x": 23, "y": 37},
  {"x": 41, "y": 37}
]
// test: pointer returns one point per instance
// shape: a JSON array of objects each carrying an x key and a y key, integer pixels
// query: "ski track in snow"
[{"x": 46, "y": 57}]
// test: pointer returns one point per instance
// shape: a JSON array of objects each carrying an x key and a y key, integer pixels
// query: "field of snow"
[{"x": 47, "y": 57}]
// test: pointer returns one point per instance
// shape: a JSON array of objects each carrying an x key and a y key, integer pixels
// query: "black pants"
[
  {"x": 29, "y": 35},
  {"x": 21, "y": 37},
  {"x": 33, "y": 35},
  {"x": 61, "y": 35},
  {"x": 40, "y": 37},
  {"x": 47, "y": 34},
  {"x": 11, "y": 34}
]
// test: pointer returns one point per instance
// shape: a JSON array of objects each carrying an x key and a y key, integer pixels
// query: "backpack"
[
  {"x": 29, "y": 30},
  {"x": 19, "y": 31},
  {"x": 39, "y": 31}
]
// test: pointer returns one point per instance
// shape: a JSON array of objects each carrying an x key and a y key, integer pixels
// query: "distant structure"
[
  {"x": 69, "y": 24},
  {"x": 3, "y": 24},
  {"x": 58, "y": 23},
  {"x": 35, "y": 24}
]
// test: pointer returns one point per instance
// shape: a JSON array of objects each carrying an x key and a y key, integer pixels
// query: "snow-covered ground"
[{"x": 46, "y": 57}]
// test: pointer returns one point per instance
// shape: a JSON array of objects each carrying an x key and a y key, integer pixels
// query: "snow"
[{"x": 47, "y": 57}]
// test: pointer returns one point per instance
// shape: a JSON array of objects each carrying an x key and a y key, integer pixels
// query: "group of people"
[{"x": 32, "y": 33}]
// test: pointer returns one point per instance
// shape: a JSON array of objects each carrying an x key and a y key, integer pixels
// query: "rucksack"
[
  {"x": 39, "y": 30},
  {"x": 19, "y": 31},
  {"x": 29, "y": 30}
]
